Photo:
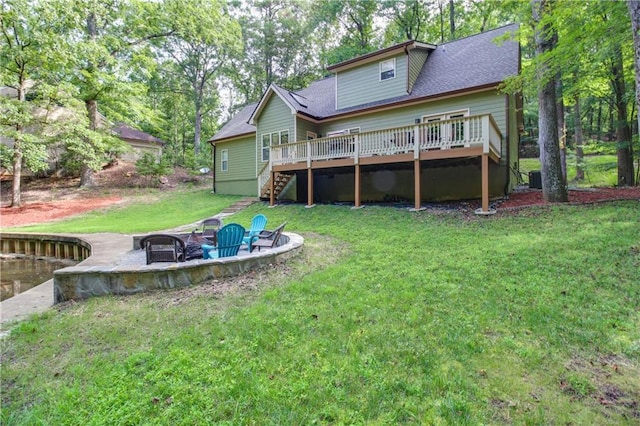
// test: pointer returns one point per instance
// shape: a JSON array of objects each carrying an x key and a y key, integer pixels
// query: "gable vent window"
[{"x": 387, "y": 69}]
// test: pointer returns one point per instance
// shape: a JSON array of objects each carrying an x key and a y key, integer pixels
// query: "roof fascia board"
[
  {"x": 400, "y": 104},
  {"x": 230, "y": 138},
  {"x": 379, "y": 55},
  {"x": 265, "y": 98}
]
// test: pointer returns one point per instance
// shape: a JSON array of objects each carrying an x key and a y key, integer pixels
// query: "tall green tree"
[
  {"x": 109, "y": 41},
  {"x": 553, "y": 184},
  {"x": 634, "y": 12},
  {"x": 278, "y": 47},
  {"x": 205, "y": 37},
  {"x": 29, "y": 52},
  {"x": 354, "y": 21},
  {"x": 407, "y": 20}
]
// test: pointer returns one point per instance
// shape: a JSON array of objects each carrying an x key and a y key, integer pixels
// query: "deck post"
[
  {"x": 417, "y": 195},
  {"x": 309, "y": 187},
  {"x": 357, "y": 187},
  {"x": 272, "y": 189},
  {"x": 485, "y": 183}
]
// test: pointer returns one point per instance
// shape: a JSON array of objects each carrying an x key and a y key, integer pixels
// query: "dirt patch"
[
  {"x": 608, "y": 381},
  {"x": 533, "y": 197},
  {"x": 54, "y": 198}
]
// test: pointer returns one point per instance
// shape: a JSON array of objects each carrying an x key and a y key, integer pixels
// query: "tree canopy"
[{"x": 179, "y": 69}]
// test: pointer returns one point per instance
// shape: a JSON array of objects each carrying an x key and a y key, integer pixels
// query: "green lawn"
[
  {"x": 387, "y": 317},
  {"x": 599, "y": 170}
]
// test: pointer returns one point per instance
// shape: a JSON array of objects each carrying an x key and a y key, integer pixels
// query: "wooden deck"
[{"x": 473, "y": 136}]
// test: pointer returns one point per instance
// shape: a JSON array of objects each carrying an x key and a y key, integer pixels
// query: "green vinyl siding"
[
  {"x": 302, "y": 127},
  {"x": 240, "y": 176},
  {"x": 417, "y": 58},
  {"x": 362, "y": 84},
  {"x": 276, "y": 116},
  {"x": 488, "y": 102}
]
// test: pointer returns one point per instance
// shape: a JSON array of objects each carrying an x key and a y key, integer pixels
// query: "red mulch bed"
[{"x": 533, "y": 197}]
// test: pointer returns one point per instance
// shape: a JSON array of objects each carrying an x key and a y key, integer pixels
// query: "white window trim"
[
  {"x": 348, "y": 131},
  {"x": 446, "y": 116},
  {"x": 311, "y": 135},
  {"x": 380, "y": 69},
  {"x": 224, "y": 163},
  {"x": 272, "y": 142},
  {"x": 262, "y": 147}
]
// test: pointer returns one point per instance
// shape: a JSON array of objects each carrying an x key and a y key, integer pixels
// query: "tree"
[
  {"x": 634, "y": 12},
  {"x": 204, "y": 38},
  {"x": 279, "y": 46},
  {"x": 109, "y": 42},
  {"x": 354, "y": 21},
  {"x": 408, "y": 19},
  {"x": 28, "y": 39},
  {"x": 554, "y": 188}
]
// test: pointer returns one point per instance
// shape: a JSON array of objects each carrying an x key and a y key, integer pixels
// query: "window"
[
  {"x": 311, "y": 135},
  {"x": 272, "y": 139},
  {"x": 455, "y": 132},
  {"x": 266, "y": 143},
  {"x": 388, "y": 69},
  {"x": 224, "y": 160}
]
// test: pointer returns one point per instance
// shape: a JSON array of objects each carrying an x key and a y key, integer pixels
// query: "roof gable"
[
  {"x": 281, "y": 93},
  {"x": 471, "y": 63}
]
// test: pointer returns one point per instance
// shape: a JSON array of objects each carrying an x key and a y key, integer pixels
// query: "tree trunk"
[
  {"x": 579, "y": 141},
  {"x": 441, "y": 7},
  {"x": 562, "y": 131},
  {"x": 634, "y": 11},
  {"x": 554, "y": 188},
  {"x": 623, "y": 131},
  {"x": 86, "y": 173},
  {"x": 452, "y": 21},
  {"x": 16, "y": 193},
  {"x": 197, "y": 129},
  {"x": 599, "y": 122},
  {"x": 16, "y": 198}
]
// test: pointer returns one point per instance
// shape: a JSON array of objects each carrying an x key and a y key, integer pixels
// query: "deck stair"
[{"x": 281, "y": 181}]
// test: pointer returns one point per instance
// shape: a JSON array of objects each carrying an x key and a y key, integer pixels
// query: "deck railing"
[{"x": 478, "y": 130}]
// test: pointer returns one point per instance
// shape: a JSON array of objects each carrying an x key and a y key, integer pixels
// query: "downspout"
[
  {"x": 508, "y": 145},
  {"x": 214, "y": 167}
]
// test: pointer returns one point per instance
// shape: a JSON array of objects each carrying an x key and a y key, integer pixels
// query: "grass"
[
  {"x": 143, "y": 213},
  {"x": 387, "y": 317},
  {"x": 599, "y": 170}
]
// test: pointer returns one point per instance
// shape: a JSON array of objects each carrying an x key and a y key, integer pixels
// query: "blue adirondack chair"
[
  {"x": 258, "y": 223},
  {"x": 229, "y": 241}
]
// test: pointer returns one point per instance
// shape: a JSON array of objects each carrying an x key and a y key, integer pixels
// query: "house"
[
  {"x": 139, "y": 141},
  {"x": 411, "y": 122}
]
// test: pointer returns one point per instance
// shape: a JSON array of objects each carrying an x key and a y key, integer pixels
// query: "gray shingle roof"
[
  {"x": 238, "y": 125},
  {"x": 464, "y": 64},
  {"x": 126, "y": 132}
]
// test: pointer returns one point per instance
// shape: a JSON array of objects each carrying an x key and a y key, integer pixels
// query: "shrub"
[{"x": 152, "y": 168}]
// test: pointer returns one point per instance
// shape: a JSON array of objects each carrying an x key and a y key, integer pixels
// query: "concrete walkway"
[{"x": 105, "y": 248}]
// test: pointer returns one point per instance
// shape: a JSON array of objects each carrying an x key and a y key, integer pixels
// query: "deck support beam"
[
  {"x": 272, "y": 189},
  {"x": 357, "y": 186},
  {"x": 485, "y": 183},
  {"x": 309, "y": 187},
  {"x": 417, "y": 189}
]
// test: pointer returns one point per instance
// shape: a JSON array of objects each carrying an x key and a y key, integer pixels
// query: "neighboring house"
[
  {"x": 139, "y": 141},
  {"x": 412, "y": 122}
]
